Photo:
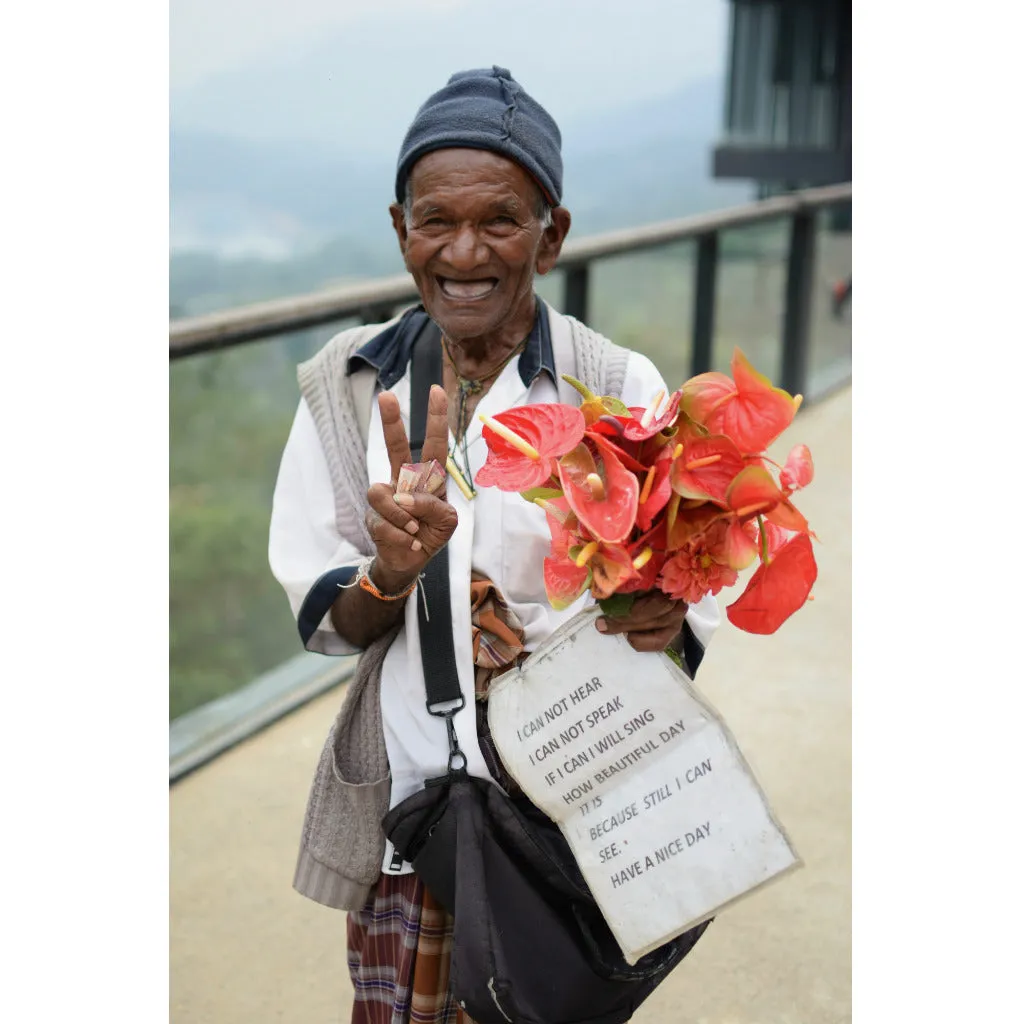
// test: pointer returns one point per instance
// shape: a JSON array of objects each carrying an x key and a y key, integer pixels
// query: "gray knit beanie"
[{"x": 486, "y": 109}]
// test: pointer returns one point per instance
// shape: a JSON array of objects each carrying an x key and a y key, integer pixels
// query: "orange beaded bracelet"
[{"x": 365, "y": 583}]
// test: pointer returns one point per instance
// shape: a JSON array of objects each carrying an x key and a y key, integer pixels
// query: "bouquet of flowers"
[{"x": 679, "y": 496}]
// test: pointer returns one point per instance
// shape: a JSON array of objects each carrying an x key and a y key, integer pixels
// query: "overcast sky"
[{"x": 627, "y": 48}]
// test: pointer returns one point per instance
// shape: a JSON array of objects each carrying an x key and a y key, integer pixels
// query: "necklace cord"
[{"x": 472, "y": 386}]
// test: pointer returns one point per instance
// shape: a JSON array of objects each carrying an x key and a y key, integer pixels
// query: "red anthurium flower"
[
  {"x": 655, "y": 490},
  {"x": 799, "y": 469},
  {"x": 563, "y": 525},
  {"x": 786, "y": 515},
  {"x": 740, "y": 544},
  {"x": 691, "y": 519},
  {"x": 746, "y": 408},
  {"x": 613, "y": 571},
  {"x": 619, "y": 447},
  {"x": 601, "y": 491},
  {"x": 609, "y": 425},
  {"x": 706, "y": 467},
  {"x": 564, "y": 581},
  {"x": 754, "y": 492},
  {"x": 652, "y": 420},
  {"x": 648, "y": 554},
  {"x": 775, "y": 538},
  {"x": 777, "y": 589},
  {"x": 522, "y": 449}
]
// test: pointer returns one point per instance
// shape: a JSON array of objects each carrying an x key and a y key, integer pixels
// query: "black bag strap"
[{"x": 444, "y": 695}]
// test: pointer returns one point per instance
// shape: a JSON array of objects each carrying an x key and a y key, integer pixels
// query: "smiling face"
[{"x": 474, "y": 242}]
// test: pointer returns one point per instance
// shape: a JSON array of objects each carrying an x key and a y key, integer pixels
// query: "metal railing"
[
  {"x": 200, "y": 735},
  {"x": 378, "y": 300}
]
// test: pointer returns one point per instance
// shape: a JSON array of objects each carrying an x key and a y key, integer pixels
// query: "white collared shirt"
[{"x": 499, "y": 534}]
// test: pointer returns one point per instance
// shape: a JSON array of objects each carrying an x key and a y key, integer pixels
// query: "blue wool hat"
[{"x": 486, "y": 109}]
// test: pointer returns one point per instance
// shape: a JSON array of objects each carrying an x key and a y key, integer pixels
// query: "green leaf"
[
  {"x": 615, "y": 406},
  {"x": 617, "y": 606},
  {"x": 675, "y": 656},
  {"x": 541, "y": 492}
]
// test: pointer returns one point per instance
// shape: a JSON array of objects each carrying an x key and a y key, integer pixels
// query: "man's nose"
[{"x": 466, "y": 250}]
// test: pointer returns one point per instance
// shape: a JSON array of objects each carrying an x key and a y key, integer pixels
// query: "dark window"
[{"x": 782, "y": 68}]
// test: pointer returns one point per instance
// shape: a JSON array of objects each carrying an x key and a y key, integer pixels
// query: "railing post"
[
  {"x": 577, "y": 285},
  {"x": 704, "y": 302},
  {"x": 799, "y": 284},
  {"x": 375, "y": 314}
]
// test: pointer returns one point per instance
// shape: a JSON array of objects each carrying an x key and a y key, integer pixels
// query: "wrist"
[{"x": 389, "y": 581}]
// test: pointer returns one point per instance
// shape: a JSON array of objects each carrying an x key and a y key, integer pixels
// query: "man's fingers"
[
  {"x": 435, "y": 441},
  {"x": 381, "y": 499},
  {"x": 671, "y": 618},
  {"x": 395, "y": 439},
  {"x": 386, "y": 535},
  {"x": 656, "y": 640},
  {"x": 428, "y": 509}
]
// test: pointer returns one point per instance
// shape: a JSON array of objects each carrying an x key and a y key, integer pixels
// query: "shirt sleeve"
[
  {"x": 308, "y": 556},
  {"x": 643, "y": 381}
]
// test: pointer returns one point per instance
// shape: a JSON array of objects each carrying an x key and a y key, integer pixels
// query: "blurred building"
[{"x": 787, "y": 116}]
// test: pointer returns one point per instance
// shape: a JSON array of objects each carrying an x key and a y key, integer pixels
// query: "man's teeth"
[{"x": 467, "y": 289}]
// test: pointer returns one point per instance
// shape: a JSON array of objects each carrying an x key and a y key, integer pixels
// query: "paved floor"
[{"x": 245, "y": 948}]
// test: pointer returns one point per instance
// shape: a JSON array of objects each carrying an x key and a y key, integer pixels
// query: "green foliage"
[
  {"x": 618, "y": 605},
  {"x": 230, "y": 620}
]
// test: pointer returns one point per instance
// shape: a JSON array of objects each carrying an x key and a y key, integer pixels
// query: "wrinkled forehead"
[{"x": 471, "y": 174}]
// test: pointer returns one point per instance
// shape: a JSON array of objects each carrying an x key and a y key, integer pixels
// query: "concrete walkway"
[{"x": 245, "y": 948}]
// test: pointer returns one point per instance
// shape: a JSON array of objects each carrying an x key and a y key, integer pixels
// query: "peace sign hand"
[{"x": 409, "y": 529}]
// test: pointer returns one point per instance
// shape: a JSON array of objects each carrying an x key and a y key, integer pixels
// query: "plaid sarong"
[
  {"x": 399, "y": 953},
  {"x": 400, "y": 943}
]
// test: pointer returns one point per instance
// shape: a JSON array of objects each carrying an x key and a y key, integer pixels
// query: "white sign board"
[{"x": 664, "y": 816}]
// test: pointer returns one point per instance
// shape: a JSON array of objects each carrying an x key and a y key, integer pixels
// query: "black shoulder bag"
[{"x": 530, "y": 945}]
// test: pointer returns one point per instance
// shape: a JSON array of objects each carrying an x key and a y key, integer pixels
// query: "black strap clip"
[{"x": 457, "y": 760}]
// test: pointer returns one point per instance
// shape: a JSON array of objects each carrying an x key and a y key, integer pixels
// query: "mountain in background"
[
  {"x": 281, "y": 170},
  {"x": 237, "y": 196}
]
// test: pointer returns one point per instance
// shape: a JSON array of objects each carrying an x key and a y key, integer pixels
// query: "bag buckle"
[{"x": 457, "y": 760}]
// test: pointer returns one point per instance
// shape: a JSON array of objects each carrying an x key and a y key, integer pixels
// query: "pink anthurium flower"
[
  {"x": 612, "y": 567},
  {"x": 655, "y": 490},
  {"x": 523, "y": 445},
  {"x": 746, "y": 408},
  {"x": 799, "y": 469},
  {"x": 648, "y": 554},
  {"x": 754, "y": 492},
  {"x": 739, "y": 545},
  {"x": 706, "y": 467},
  {"x": 565, "y": 581},
  {"x": 600, "y": 490},
  {"x": 653, "y": 420},
  {"x": 777, "y": 589}
]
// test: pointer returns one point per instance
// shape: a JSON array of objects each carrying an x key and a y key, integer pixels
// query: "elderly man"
[{"x": 477, "y": 215}]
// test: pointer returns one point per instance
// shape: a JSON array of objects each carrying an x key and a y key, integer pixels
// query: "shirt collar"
[{"x": 389, "y": 352}]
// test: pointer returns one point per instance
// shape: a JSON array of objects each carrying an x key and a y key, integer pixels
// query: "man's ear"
[
  {"x": 552, "y": 239},
  {"x": 398, "y": 223}
]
